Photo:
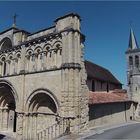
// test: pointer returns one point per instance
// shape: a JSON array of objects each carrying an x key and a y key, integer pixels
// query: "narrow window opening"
[
  {"x": 4, "y": 71},
  {"x": 130, "y": 61},
  {"x": 93, "y": 85},
  {"x": 136, "y": 61}
]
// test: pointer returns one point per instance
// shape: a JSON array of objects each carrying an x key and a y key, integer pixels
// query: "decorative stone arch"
[
  {"x": 17, "y": 57},
  {"x": 3, "y": 56},
  {"x": 10, "y": 56},
  {"x": 5, "y": 44},
  {"x": 6, "y": 82},
  {"x": 42, "y": 109},
  {"x": 8, "y": 103},
  {"x": 3, "y": 59},
  {"x": 29, "y": 51},
  {"x": 17, "y": 53},
  {"x": 57, "y": 45},
  {"x": 47, "y": 47},
  {"x": 37, "y": 50},
  {"x": 44, "y": 91}
]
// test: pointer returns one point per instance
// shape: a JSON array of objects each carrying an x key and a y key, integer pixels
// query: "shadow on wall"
[{"x": 111, "y": 112}]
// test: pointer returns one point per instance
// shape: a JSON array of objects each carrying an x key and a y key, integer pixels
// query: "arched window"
[
  {"x": 136, "y": 61},
  {"x": 4, "y": 66},
  {"x": 5, "y": 44},
  {"x": 130, "y": 60}
]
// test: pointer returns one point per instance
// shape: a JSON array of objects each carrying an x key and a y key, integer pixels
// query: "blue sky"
[{"x": 104, "y": 23}]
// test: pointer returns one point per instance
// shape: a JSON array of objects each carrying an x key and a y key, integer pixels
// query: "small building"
[
  {"x": 107, "y": 108},
  {"x": 100, "y": 79}
]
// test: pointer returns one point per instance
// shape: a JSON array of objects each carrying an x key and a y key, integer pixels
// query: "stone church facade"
[{"x": 43, "y": 81}]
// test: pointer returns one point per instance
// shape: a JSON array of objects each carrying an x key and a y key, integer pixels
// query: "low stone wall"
[{"x": 110, "y": 113}]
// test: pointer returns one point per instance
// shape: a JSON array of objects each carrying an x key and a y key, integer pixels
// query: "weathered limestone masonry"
[{"x": 43, "y": 80}]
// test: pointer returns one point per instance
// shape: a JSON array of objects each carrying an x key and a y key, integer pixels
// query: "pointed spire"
[{"x": 132, "y": 40}]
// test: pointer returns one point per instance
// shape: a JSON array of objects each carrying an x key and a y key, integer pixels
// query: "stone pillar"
[
  {"x": 48, "y": 59},
  {"x": 15, "y": 65},
  {"x": 25, "y": 126},
  {"x": 33, "y": 61},
  {"x": 1, "y": 118},
  {"x": 39, "y": 62},
  {"x": 10, "y": 67},
  {"x": 7, "y": 67},
  {"x": 43, "y": 61},
  {"x": 30, "y": 127},
  {"x": 34, "y": 126},
  {"x": 59, "y": 58},
  {"x": 5, "y": 118},
  {"x": 0, "y": 68},
  {"x": 23, "y": 59},
  {"x": 52, "y": 61},
  {"x": 74, "y": 103},
  {"x": 19, "y": 64},
  {"x": 19, "y": 129},
  {"x": 30, "y": 63}
]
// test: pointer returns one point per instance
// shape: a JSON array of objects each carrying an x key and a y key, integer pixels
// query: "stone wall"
[{"x": 111, "y": 113}]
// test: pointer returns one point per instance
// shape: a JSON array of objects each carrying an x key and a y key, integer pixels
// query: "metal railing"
[{"x": 61, "y": 128}]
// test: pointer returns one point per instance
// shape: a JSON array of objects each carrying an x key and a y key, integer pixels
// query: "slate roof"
[
  {"x": 95, "y": 71},
  {"x": 105, "y": 97}
]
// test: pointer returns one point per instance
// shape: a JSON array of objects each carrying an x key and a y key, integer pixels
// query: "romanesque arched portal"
[
  {"x": 7, "y": 108},
  {"x": 42, "y": 112}
]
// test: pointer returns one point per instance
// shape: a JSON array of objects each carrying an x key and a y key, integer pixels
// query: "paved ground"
[
  {"x": 98, "y": 130},
  {"x": 131, "y": 131}
]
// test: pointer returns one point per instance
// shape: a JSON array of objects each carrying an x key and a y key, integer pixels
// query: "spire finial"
[
  {"x": 132, "y": 39},
  {"x": 14, "y": 20}
]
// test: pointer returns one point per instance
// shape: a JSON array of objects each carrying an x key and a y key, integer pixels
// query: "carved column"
[
  {"x": 34, "y": 126},
  {"x": 25, "y": 128},
  {"x": 0, "y": 118},
  {"x": 33, "y": 61},
  {"x": 39, "y": 62},
  {"x": 59, "y": 58},
  {"x": 5, "y": 118},
  {"x": 0, "y": 68},
  {"x": 8, "y": 67},
  {"x": 43, "y": 61},
  {"x": 19, "y": 64},
  {"x": 27, "y": 63},
  {"x": 48, "y": 58},
  {"x": 23, "y": 59},
  {"x": 30, "y": 126},
  {"x": 30, "y": 63},
  {"x": 19, "y": 126}
]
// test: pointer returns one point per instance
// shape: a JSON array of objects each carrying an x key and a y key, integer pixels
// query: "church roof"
[
  {"x": 15, "y": 29},
  {"x": 95, "y": 71},
  {"x": 132, "y": 40}
]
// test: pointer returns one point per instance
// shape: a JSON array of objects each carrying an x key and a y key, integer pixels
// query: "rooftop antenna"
[{"x": 14, "y": 20}]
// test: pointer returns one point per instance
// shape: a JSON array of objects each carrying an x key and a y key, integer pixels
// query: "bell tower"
[{"x": 133, "y": 67}]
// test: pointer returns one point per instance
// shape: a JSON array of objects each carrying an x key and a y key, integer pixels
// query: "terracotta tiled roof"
[
  {"x": 107, "y": 97},
  {"x": 100, "y": 73}
]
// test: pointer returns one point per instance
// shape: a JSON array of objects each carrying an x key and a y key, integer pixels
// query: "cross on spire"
[{"x": 14, "y": 20}]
